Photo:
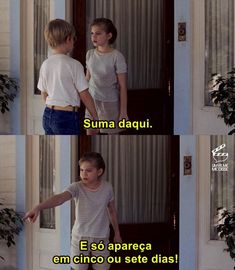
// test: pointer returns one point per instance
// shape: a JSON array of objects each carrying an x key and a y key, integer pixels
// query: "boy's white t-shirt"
[
  {"x": 62, "y": 77},
  {"x": 92, "y": 219},
  {"x": 104, "y": 67}
]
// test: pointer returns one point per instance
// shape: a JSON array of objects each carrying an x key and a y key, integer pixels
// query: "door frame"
[
  {"x": 173, "y": 190},
  {"x": 188, "y": 205},
  {"x": 183, "y": 101}
]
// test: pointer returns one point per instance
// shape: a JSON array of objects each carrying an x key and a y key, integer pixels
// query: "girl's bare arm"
[
  {"x": 88, "y": 75},
  {"x": 123, "y": 95},
  {"x": 114, "y": 221},
  {"x": 50, "y": 203}
]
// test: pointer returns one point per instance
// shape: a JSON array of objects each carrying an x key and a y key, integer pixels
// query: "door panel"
[
  {"x": 144, "y": 104},
  {"x": 155, "y": 104}
]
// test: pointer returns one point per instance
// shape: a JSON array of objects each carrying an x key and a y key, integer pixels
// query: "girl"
[
  {"x": 95, "y": 206},
  {"x": 106, "y": 73}
]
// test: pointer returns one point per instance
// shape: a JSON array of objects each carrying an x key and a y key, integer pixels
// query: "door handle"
[
  {"x": 174, "y": 222},
  {"x": 169, "y": 88}
]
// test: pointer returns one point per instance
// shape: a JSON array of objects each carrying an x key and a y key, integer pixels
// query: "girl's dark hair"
[
  {"x": 108, "y": 27},
  {"x": 93, "y": 157}
]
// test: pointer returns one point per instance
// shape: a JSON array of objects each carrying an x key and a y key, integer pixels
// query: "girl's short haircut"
[
  {"x": 95, "y": 158},
  {"x": 108, "y": 27},
  {"x": 57, "y": 31}
]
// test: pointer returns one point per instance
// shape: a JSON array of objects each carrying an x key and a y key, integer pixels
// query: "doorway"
[
  {"x": 146, "y": 189},
  {"x": 148, "y": 46}
]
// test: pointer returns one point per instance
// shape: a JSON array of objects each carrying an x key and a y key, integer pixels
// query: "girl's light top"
[
  {"x": 62, "y": 77},
  {"x": 92, "y": 218},
  {"x": 104, "y": 67}
]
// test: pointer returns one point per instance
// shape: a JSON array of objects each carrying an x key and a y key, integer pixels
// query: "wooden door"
[
  {"x": 163, "y": 236},
  {"x": 155, "y": 104}
]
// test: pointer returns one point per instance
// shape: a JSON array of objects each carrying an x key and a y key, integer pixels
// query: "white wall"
[{"x": 8, "y": 190}]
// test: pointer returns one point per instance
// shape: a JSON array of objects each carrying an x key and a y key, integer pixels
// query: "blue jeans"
[{"x": 60, "y": 122}]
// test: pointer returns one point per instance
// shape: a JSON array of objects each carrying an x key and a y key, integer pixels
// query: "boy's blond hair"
[{"x": 57, "y": 31}]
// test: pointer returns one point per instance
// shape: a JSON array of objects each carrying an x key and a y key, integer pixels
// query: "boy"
[{"x": 62, "y": 82}]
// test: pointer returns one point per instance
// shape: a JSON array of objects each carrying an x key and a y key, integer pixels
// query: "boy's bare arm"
[
  {"x": 114, "y": 221},
  {"x": 44, "y": 96},
  {"x": 89, "y": 103},
  {"x": 50, "y": 203}
]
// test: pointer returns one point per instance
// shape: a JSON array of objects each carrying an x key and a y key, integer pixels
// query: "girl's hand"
[
  {"x": 123, "y": 116},
  {"x": 32, "y": 215},
  {"x": 92, "y": 131},
  {"x": 117, "y": 239}
]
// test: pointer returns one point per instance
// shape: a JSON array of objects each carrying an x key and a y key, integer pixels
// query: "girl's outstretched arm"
[
  {"x": 50, "y": 203},
  {"x": 123, "y": 95},
  {"x": 114, "y": 221}
]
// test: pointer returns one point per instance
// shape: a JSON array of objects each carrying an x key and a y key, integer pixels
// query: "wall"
[
  {"x": 4, "y": 53},
  {"x": 10, "y": 59},
  {"x": 4, "y": 36},
  {"x": 8, "y": 191}
]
